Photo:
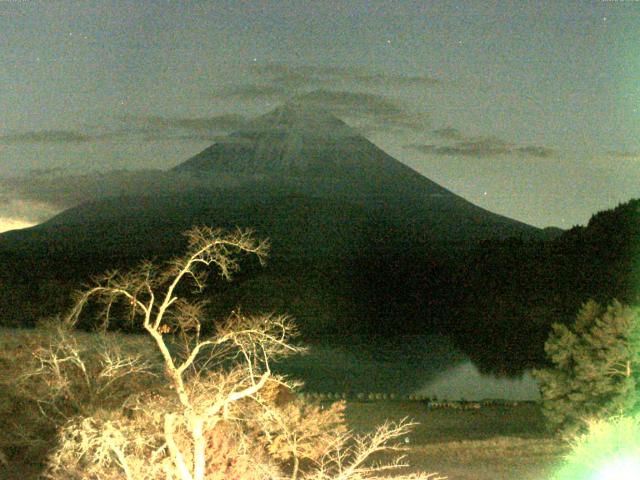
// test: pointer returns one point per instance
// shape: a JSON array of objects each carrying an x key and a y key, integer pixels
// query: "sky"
[{"x": 527, "y": 109}]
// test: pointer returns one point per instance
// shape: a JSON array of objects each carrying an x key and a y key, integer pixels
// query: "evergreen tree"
[{"x": 596, "y": 367}]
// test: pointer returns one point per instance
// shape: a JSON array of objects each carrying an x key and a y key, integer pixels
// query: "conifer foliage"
[{"x": 595, "y": 370}]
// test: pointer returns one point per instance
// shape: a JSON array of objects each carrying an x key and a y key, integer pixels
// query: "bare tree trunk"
[
  {"x": 296, "y": 466},
  {"x": 198, "y": 449}
]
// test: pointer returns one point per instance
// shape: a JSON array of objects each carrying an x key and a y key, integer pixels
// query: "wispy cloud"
[
  {"x": 46, "y": 136},
  {"x": 478, "y": 147},
  {"x": 281, "y": 81},
  {"x": 39, "y": 195},
  {"x": 536, "y": 151},
  {"x": 369, "y": 111},
  {"x": 216, "y": 123},
  {"x": 181, "y": 128},
  {"x": 313, "y": 74},
  {"x": 10, "y": 223},
  {"x": 346, "y": 91},
  {"x": 352, "y": 102},
  {"x": 151, "y": 128},
  {"x": 449, "y": 133},
  {"x": 20, "y": 213},
  {"x": 36, "y": 197},
  {"x": 54, "y": 190},
  {"x": 252, "y": 92},
  {"x": 398, "y": 122},
  {"x": 484, "y": 147}
]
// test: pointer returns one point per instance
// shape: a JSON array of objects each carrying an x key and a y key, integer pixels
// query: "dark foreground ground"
[{"x": 493, "y": 442}]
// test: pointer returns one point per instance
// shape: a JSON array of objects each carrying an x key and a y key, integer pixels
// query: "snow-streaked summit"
[
  {"x": 311, "y": 148},
  {"x": 293, "y": 139},
  {"x": 304, "y": 150},
  {"x": 299, "y": 119}
]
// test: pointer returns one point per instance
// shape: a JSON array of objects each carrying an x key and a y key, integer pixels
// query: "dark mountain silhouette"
[
  {"x": 511, "y": 290},
  {"x": 361, "y": 242},
  {"x": 299, "y": 176},
  {"x": 313, "y": 153}
]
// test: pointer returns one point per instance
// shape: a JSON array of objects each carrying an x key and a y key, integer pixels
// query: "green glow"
[
  {"x": 624, "y": 468},
  {"x": 610, "y": 450}
]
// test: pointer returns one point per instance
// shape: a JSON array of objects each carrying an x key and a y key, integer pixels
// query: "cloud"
[
  {"x": 352, "y": 103},
  {"x": 345, "y": 91},
  {"x": 536, "y": 151},
  {"x": 370, "y": 112},
  {"x": 484, "y": 147},
  {"x": 422, "y": 148},
  {"x": 216, "y": 123},
  {"x": 395, "y": 80},
  {"x": 38, "y": 195},
  {"x": 288, "y": 77},
  {"x": 252, "y": 92},
  {"x": 58, "y": 189},
  {"x": 449, "y": 133},
  {"x": 7, "y": 223},
  {"x": 22, "y": 213},
  {"x": 181, "y": 128},
  {"x": 403, "y": 121},
  {"x": 313, "y": 74},
  {"x": 479, "y": 147},
  {"x": 46, "y": 136}
]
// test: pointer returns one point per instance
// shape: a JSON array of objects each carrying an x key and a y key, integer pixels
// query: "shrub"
[
  {"x": 81, "y": 375},
  {"x": 217, "y": 410},
  {"x": 596, "y": 367}
]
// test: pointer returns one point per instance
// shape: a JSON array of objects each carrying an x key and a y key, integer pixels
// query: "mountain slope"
[
  {"x": 513, "y": 291},
  {"x": 355, "y": 233},
  {"x": 311, "y": 152}
]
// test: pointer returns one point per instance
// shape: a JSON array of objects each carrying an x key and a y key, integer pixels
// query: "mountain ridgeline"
[
  {"x": 361, "y": 244},
  {"x": 312, "y": 153},
  {"x": 513, "y": 290}
]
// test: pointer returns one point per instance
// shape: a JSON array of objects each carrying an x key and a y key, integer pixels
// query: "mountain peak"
[
  {"x": 298, "y": 119},
  {"x": 298, "y": 110},
  {"x": 305, "y": 148},
  {"x": 295, "y": 138}
]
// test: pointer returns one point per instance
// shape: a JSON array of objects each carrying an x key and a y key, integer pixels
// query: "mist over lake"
[{"x": 428, "y": 365}]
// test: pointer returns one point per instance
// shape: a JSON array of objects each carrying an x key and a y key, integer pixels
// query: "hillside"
[
  {"x": 511, "y": 291},
  {"x": 351, "y": 228}
]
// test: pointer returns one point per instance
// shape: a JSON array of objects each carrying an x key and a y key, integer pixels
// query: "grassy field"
[{"x": 492, "y": 442}]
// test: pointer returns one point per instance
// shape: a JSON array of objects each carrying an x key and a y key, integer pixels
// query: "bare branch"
[{"x": 174, "y": 432}]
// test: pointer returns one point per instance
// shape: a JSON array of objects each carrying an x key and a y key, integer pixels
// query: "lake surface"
[{"x": 425, "y": 365}]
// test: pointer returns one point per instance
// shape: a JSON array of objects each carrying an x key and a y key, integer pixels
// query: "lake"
[{"x": 420, "y": 364}]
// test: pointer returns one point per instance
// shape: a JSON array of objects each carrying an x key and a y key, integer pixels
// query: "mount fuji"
[{"x": 360, "y": 241}]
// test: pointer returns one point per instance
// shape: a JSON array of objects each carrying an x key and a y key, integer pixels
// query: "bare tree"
[{"x": 219, "y": 406}]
